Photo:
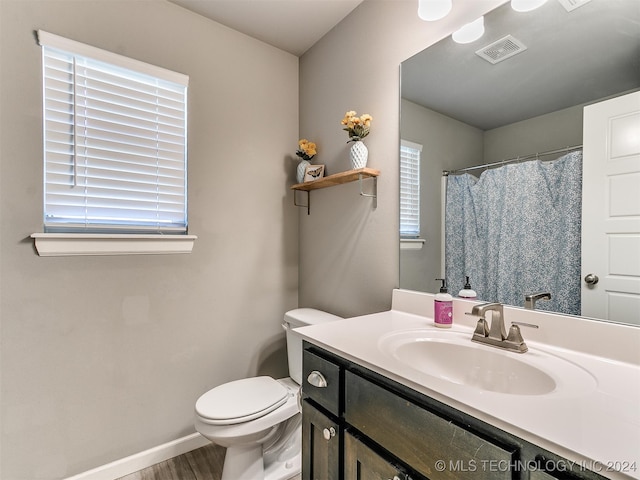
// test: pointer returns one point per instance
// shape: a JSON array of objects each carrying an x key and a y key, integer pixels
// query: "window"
[
  {"x": 410, "y": 189},
  {"x": 114, "y": 142}
]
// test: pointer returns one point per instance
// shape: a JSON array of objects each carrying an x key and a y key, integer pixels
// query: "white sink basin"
[{"x": 451, "y": 356}]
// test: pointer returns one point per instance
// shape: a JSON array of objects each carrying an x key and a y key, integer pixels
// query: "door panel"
[{"x": 611, "y": 210}]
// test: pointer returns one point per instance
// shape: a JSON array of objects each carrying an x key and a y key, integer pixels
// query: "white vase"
[
  {"x": 358, "y": 155},
  {"x": 302, "y": 167}
]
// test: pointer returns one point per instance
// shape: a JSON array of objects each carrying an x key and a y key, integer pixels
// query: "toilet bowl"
[
  {"x": 248, "y": 434},
  {"x": 258, "y": 419}
]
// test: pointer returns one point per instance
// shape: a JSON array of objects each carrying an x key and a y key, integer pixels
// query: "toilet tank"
[{"x": 301, "y": 317}]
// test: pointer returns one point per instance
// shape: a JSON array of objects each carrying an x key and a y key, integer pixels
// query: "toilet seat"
[{"x": 241, "y": 400}]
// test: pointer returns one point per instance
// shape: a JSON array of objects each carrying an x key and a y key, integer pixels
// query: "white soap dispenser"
[
  {"x": 443, "y": 307},
  {"x": 467, "y": 292}
]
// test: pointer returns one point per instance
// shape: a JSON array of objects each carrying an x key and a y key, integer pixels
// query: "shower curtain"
[{"x": 516, "y": 231}]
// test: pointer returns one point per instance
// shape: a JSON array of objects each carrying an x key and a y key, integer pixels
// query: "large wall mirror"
[{"x": 504, "y": 114}]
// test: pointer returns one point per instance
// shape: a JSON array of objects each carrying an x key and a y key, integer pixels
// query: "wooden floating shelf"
[{"x": 337, "y": 179}]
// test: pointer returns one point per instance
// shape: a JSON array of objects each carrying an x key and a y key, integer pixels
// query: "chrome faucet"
[
  {"x": 530, "y": 300},
  {"x": 496, "y": 334}
]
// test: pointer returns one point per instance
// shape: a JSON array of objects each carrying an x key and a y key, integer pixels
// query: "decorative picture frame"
[{"x": 313, "y": 172}]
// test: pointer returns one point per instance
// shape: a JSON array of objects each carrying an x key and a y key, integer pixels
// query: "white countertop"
[{"x": 599, "y": 429}]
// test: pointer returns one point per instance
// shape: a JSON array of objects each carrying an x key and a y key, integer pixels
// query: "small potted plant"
[
  {"x": 306, "y": 151},
  {"x": 357, "y": 127}
]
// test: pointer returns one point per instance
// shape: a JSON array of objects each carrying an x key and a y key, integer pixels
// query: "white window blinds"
[
  {"x": 114, "y": 142},
  {"x": 410, "y": 189}
]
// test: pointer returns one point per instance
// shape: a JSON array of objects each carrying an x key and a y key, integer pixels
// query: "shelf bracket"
[
  {"x": 308, "y": 205},
  {"x": 373, "y": 195}
]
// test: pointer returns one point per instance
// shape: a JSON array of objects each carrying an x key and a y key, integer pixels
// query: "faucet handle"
[
  {"x": 482, "y": 329},
  {"x": 514, "y": 334},
  {"x": 515, "y": 338}
]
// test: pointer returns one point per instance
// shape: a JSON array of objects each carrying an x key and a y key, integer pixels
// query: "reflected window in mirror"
[{"x": 410, "y": 189}]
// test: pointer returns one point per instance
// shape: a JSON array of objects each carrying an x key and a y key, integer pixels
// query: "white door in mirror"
[{"x": 611, "y": 195}]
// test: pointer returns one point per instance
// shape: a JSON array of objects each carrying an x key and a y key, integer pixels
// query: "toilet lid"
[{"x": 241, "y": 400}]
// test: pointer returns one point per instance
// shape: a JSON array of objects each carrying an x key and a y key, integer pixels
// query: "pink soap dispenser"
[{"x": 443, "y": 307}]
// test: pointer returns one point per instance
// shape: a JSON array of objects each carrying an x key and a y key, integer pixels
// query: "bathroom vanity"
[{"x": 375, "y": 406}]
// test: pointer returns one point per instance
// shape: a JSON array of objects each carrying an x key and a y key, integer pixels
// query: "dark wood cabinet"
[
  {"x": 541, "y": 476},
  {"x": 360, "y": 425},
  {"x": 364, "y": 463},
  {"x": 418, "y": 437},
  {"x": 321, "y": 382},
  {"x": 321, "y": 445}
]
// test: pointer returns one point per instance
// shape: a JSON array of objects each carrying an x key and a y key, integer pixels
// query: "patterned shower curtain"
[{"x": 516, "y": 231}]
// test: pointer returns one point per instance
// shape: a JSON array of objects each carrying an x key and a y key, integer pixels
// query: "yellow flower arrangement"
[
  {"x": 356, "y": 127},
  {"x": 306, "y": 149}
]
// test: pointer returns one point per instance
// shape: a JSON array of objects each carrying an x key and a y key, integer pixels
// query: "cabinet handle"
[
  {"x": 316, "y": 379},
  {"x": 329, "y": 433}
]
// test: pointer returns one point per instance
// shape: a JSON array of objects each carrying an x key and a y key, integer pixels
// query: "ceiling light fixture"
[
  {"x": 469, "y": 32},
  {"x": 526, "y": 5},
  {"x": 431, "y": 10}
]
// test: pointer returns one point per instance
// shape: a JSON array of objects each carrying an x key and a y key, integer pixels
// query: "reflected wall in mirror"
[{"x": 524, "y": 112}]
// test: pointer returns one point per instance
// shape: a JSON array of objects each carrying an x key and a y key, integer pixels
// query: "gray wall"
[
  {"x": 349, "y": 257},
  {"x": 103, "y": 357},
  {"x": 552, "y": 131},
  {"x": 447, "y": 145}
]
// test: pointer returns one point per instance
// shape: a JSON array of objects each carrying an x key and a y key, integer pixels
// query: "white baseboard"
[{"x": 142, "y": 460}]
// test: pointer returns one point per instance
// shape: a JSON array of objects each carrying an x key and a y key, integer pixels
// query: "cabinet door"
[
  {"x": 326, "y": 394},
  {"x": 431, "y": 445},
  {"x": 320, "y": 445},
  {"x": 362, "y": 463}
]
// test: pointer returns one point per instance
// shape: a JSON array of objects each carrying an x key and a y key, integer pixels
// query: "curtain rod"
[{"x": 513, "y": 160}]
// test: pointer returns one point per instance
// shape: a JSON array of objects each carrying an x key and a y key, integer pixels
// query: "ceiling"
[
  {"x": 571, "y": 58},
  {"x": 291, "y": 25}
]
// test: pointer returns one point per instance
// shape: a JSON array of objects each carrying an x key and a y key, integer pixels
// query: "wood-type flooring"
[{"x": 202, "y": 464}]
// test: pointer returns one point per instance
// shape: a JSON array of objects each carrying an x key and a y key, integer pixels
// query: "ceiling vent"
[
  {"x": 501, "y": 50},
  {"x": 570, "y": 5}
]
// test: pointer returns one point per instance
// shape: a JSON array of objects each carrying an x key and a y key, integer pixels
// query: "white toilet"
[{"x": 258, "y": 419}]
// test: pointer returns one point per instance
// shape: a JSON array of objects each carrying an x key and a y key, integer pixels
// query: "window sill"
[
  {"x": 71, "y": 244},
  {"x": 411, "y": 243}
]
